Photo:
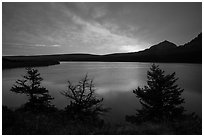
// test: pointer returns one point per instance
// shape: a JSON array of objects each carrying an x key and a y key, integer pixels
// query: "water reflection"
[{"x": 113, "y": 81}]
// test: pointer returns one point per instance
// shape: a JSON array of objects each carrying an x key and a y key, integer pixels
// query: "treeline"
[
  {"x": 162, "y": 111},
  {"x": 14, "y": 62}
]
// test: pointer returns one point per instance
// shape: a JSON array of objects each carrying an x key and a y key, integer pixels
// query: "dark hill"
[
  {"x": 165, "y": 51},
  {"x": 23, "y": 61},
  {"x": 163, "y": 47}
]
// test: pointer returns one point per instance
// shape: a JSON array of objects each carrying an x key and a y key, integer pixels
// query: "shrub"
[{"x": 84, "y": 101}]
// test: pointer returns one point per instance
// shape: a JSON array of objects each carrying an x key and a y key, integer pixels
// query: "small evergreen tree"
[
  {"x": 83, "y": 102},
  {"x": 30, "y": 85},
  {"x": 160, "y": 99}
]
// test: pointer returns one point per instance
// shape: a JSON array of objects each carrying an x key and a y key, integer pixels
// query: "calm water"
[{"x": 114, "y": 82}]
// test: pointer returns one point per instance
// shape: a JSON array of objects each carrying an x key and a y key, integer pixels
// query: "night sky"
[{"x": 96, "y": 28}]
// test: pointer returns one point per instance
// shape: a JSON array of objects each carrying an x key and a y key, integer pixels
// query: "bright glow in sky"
[{"x": 96, "y": 28}]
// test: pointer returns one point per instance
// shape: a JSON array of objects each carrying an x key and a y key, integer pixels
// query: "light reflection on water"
[{"x": 114, "y": 82}]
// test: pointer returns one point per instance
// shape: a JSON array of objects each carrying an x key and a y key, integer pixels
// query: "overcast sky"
[{"x": 96, "y": 28}]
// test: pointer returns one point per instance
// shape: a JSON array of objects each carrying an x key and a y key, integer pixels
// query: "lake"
[{"x": 114, "y": 81}]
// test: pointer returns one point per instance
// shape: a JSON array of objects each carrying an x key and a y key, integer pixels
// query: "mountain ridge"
[{"x": 165, "y": 51}]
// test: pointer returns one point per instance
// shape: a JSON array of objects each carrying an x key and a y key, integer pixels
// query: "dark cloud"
[{"x": 96, "y": 27}]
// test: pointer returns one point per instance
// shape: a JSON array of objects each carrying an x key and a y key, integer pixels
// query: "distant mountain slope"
[
  {"x": 165, "y": 51},
  {"x": 191, "y": 51}
]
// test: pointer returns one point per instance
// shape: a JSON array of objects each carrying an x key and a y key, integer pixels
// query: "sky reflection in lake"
[{"x": 113, "y": 81}]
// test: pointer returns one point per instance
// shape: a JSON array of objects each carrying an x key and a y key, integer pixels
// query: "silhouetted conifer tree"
[
  {"x": 30, "y": 85},
  {"x": 83, "y": 102},
  {"x": 160, "y": 99}
]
